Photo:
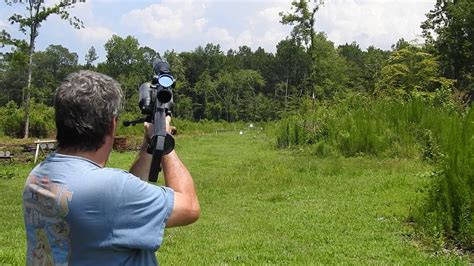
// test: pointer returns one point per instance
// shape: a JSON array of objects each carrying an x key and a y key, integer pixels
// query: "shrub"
[
  {"x": 419, "y": 128},
  {"x": 448, "y": 210},
  {"x": 353, "y": 127},
  {"x": 41, "y": 120},
  {"x": 11, "y": 121}
]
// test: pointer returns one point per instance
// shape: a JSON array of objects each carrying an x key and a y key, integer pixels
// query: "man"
[{"x": 78, "y": 211}]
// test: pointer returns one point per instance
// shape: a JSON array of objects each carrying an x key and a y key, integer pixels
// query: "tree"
[
  {"x": 50, "y": 68},
  {"x": 303, "y": 19},
  {"x": 236, "y": 93},
  {"x": 449, "y": 29},
  {"x": 129, "y": 64},
  {"x": 401, "y": 44},
  {"x": 90, "y": 57},
  {"x": 374, "y": 60},
  {"x": 29, "y": 25},
  {"x": 329, "y": 70},
  {"x": 248, "y": 84},
  {"x": 204, "y": 92},
  {"x": 14, "y": 75},
  {"x": 292, "y": 66},
  {"x": 183, "y": 103},
  {"x": 411, "y": 71},
  {"x": 354, "y": 57},
  {"x": 122, "y": 58}
]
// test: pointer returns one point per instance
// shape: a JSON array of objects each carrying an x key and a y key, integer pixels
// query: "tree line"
[{"x": 257, "y": 85}]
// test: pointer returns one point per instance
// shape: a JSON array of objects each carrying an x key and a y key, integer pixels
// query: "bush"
[
  {"x": 41, "y": 120},
  {"x": 419, "y": 128},
  {"x": 448, "y": 210},
  {"x": 11, "y": 122},
  {"x": 351, "y": 127}
]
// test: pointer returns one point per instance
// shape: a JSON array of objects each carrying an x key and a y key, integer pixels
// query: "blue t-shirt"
[{"x": 79, "y": 213}]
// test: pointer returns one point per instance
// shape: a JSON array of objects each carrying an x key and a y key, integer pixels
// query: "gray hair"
[{"x": 85, "y": 105}]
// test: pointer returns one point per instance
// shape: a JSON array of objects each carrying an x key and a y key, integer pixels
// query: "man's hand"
[
  {"x": 186, "y": 208},
  {"x": 149, "y": 128},
  {"x": 141, "y": 166}
]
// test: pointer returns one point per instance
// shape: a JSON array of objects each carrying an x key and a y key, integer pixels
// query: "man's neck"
[
  {"x": 90, "y": 155},
  {"x": 99, "y": 156}
]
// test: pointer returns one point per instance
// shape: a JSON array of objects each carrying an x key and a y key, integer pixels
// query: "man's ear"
[{"x": 113, "y": 126}]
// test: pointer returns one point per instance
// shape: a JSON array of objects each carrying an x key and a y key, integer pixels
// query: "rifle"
[{"x": 156, "y": 101}]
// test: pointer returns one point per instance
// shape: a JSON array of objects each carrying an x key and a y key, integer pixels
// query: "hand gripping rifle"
[{"x": 156, "y": 102}]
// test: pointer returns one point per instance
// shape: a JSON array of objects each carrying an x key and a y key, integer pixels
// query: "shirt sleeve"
[{"x": 141, "y": 214}]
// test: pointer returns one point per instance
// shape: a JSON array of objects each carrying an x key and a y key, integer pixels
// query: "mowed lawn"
[{"x": 261, "y": 205}]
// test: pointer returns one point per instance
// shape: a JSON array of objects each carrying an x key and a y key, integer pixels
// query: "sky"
[{"x": 183, "y": 25}]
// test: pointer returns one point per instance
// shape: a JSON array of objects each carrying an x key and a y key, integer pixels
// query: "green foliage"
[
  {"x": 363, "y": 67},
  {"x": 418, "y": 128},
  {"x": 37, "y": 13},
  {"x": 41, "y": 123},
  {"x": 449, "y": 30},
  {"x": 303, "y": 19},
  {"x": 90, "y": 57},
  {"x": 126, "y": 58},
  {"x": 431, "y": 150},
  {"x": 11, "y": 120},
  {"x": 236, "y": 91},
  {"x": 6, "y": 174},
  {"x": 329, "y": 75},
  {"x": 448, "y": 211},
  {"x": 13, "y": 77},
  {"x": 410, "y": 70},
  {"x": 357, "y": 125},
  {"x": 354, "y": 61},
  {"x": 184, "y": 107},
  {"x": 292, "y": 65},
  {"x": 50, "y": 68}
]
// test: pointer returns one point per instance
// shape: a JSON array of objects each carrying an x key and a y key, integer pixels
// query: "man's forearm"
[
  {"x": 177, "y": 175},
  {"x": 141, "y": 166},
  {"x": 186, "y": 207},
  {"x": 180, "y": 180}
]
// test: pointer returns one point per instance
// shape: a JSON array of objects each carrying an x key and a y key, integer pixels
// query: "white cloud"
[
  {"x": 220, "y": 36},
  {"x": 245, "y": 38},
  {"x": 271, "y": 14},
  {"x": 251, "y": 23},
  {"x": 378, "y": 23},
  {"x": 170, "y": 19},
  {"x": 200, "y": 23},
  {"x": 264, "y": 28},
  {"x": 94, "y": 34},
  {"x": 193, "y": 23}
]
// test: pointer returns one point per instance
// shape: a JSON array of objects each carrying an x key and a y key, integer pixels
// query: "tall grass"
[
  {"x": 355, "y": 127},
  {"x": 411, "y": 129},
  {"x": 448, "y": 211}
]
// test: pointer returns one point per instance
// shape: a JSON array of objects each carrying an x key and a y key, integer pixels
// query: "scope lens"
[
  {"x": 164, "y": 95},
  {"x": 165, "y": 80}
]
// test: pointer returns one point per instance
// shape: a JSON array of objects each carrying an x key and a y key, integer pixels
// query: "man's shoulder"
[
  {"x": 117, "y": 174},
  {"x": 126, "y": 180}
]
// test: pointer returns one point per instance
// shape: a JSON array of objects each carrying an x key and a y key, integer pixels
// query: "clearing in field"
[{"x": 264, "y": 205}]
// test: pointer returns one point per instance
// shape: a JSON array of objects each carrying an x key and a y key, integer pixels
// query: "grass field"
[{"x": 261, "y": 205}]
